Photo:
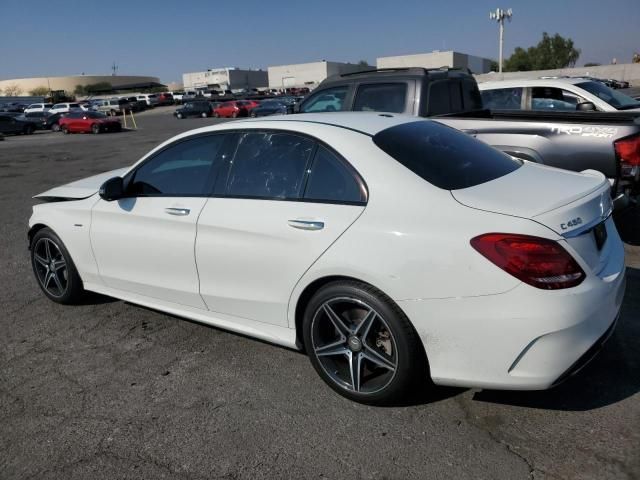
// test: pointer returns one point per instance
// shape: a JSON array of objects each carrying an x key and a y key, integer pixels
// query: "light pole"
[{"x": 499, "y": 15}]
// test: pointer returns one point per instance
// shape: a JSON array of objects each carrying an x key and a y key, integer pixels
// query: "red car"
[
  {"x": 86, "y": 122},
  {"x": 229, "y": 110},
  {"x": 235, "y": 108}
]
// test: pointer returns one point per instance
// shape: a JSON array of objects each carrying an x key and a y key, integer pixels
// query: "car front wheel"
[
  {"x": 95, "y": 128},
  {"x": 362, "y": 344},
  {"x": 52, "y": 265}
]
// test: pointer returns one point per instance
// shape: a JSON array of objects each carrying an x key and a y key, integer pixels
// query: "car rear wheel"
[
  {"x": 362, "y": 344},
  {"x": 55, "y": 127},
  {"x": 95, "y": 128},
  {"x": 28, "y": 130},
  {"x": 252, "y": 114},
  {"x": 54, "y": 269},
  {"x": 216, "y": 114},
  {"x": 234, "y": 114},
  {"x": 65, "y": 129},
  {"x": 178, "y": 116},
  {"x": 204, "y": 115}
]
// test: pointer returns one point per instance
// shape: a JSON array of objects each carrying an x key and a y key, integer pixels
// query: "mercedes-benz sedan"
[{"x": 390, "y": 249}]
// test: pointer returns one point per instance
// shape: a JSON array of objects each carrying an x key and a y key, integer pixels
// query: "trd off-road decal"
[{"x": 598, "y": 132}]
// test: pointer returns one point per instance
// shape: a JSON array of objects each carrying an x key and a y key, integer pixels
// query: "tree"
[
  {"x": 363, "y": 63},
  {"x": 493, "y": 67},
  {"x": 636, "y": 58},
  {"x": 80, "y": 90},
  {"x": 592, "y": 64},
  {"x": 39, "y": 91},
  {"x": 12, "y": 90},
  {"x": 549, "y": 53}
]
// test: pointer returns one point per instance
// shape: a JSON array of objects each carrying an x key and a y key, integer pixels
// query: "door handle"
[
  {"x": 306, "y": 224},
  {"x": 177, "y": 211}
]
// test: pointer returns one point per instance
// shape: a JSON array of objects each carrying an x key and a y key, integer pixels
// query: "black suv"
[
  {"x": 200, "y": 108},
  {"x": 414, "y": 91}
]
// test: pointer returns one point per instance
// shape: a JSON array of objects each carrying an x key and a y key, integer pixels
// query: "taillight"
[
  {"x": 537, "y": 261},
  {"x": 628, "y": 150}
]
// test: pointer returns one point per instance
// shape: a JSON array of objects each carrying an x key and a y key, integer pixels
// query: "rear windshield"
[{"x": 443, "y": 156}]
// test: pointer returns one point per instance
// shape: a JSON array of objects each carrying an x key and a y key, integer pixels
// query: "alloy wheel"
[
  {"x": 354, "y": 345},
  {"x": 51, "y": 267}
]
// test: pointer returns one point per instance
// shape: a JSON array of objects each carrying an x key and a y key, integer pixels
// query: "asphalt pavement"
[{"x": 110, "y": 390}]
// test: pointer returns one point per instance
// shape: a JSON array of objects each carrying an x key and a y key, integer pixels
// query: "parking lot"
[{"x": 112, "y": 390}]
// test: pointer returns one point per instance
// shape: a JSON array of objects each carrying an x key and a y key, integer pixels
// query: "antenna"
[
  {"x": 114, "y": 69},
  {"x": 499, "y": 15}
]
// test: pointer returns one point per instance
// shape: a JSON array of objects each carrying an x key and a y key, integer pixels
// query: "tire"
[
  {"x": 370, "y": 332},
  {"x": 113, "y": 113},
  {"x": 252, "y": 114},
  {"x": 49, "y": 253},
  {"x": 65, "y": 129},
  {"x": 179, "y": 116},
  {"x": 216, "y": 114},
  {"x": 204, "y": 115},
  {"x": 234, "y": 114},
  {"x": 55, "y": 127},
  {"x": 28, "y": 130},
  {"x": 95, "y": 128}
]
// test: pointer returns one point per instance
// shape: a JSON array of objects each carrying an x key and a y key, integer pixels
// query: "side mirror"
[
  {"x": 112, "y": 189},
  {"x": 586, "y": 107}
]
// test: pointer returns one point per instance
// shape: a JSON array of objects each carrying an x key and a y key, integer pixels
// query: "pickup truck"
[{"x": 580, "y": 140}]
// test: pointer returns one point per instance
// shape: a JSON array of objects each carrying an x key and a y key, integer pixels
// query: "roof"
[
  {"x": 368, "y": 123},
  {"x": 538, "y": 82}
]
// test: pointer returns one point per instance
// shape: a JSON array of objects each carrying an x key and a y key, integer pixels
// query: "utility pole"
[{"x": 499, "y": 15}]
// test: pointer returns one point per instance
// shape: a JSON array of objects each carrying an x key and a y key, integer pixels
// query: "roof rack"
[{"x": 406, "y": 69}]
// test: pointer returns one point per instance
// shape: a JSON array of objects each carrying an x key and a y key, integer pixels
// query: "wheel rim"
[
  {"x": 95, "y": 128},
  {"x": 51, "y": 267},
  {"x": 354, "y": 345}
]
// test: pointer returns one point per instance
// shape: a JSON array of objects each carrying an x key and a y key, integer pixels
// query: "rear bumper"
[{"x": 524, "y": 339}]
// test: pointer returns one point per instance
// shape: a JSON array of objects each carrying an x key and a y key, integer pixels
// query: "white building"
[
  {"x": 308, "y": 74},
  {"x": 225, "y": 79},
  {"x": 437, "y": 59}
]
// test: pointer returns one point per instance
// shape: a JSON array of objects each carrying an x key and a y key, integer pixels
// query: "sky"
[{"x": 167, "y": 38}]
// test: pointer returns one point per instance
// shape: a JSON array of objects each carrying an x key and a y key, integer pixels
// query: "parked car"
[
  {"x": 52, "y": 122},
  {"x": 38, "y": 118},
  {"x": 151, "y": 99},
  {"x": 380, "y": 294},
  {"x": 38, "y": 107},
  {"x": 12, "y": 124},
  {"x": 114, "y": 106},
  {"x": 271, "y": 107},
  {"x": 606, "y": 142},
  {"x": 230, "y": 109},
  {"x": 89, "y": 122},
  {"x": 135, "y": 105},
  {"x": 566, "y": 94},
  {"x": 65, "y": 107},
  {"x": 13, "y": 107},
  {"x": 165, "y": 98},
  {"x": 195, "y": 109}
]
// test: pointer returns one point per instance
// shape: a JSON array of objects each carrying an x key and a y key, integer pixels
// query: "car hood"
[{"x": 80, "y": 188}]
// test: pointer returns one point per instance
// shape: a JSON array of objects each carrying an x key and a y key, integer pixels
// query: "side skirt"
[{"x": 283, "y": 336}]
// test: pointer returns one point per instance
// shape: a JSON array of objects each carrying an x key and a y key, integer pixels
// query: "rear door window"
[
  {"x": 328, "y": 100},
  {"x": 502, "y": 98},
  {"x": 443, "y": 156},
  {"x": 444, "y": 96},
  {"x": 381, "y": 97},
  {"x": 553, "y": 99},
  {"x": 269, "y": 165}
]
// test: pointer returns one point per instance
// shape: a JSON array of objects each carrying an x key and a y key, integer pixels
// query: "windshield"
[{"x": 612, "y": 97}]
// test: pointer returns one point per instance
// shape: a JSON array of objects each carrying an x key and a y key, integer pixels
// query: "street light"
[{"x": 499, "y": 15}]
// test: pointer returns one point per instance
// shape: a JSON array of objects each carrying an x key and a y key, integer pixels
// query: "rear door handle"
[
  {"x": 306, "y": 224},
  {"x": 177, "y": 211}
]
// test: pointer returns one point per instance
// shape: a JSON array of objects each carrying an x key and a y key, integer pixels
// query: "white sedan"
[{"x": 390, "y": 249}]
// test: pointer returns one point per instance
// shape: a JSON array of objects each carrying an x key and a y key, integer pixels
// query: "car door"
[
  {"x": 144, "y": 243},
  {"x": 286, "y": 199}
]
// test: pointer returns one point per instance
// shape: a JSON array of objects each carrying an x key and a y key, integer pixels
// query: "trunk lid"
[{"x": 574, "y": 205}]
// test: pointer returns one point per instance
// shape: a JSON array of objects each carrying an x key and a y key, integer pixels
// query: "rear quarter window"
[{"x": 443, "y": 156}]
